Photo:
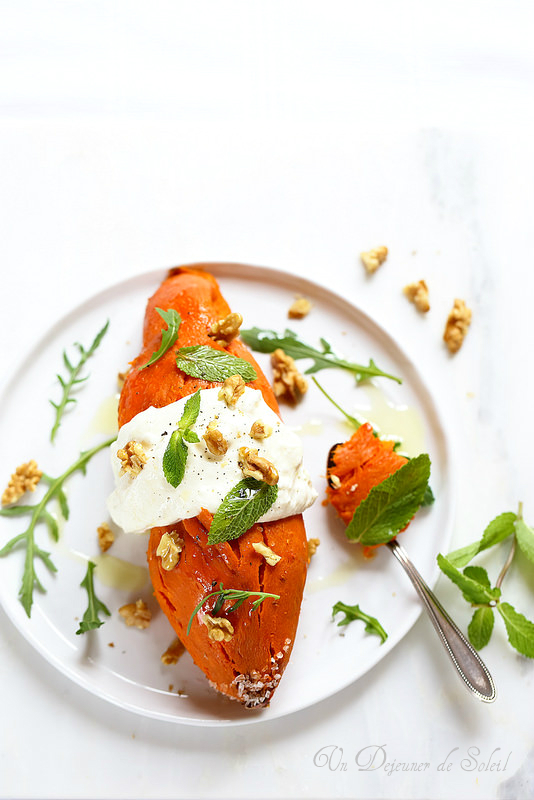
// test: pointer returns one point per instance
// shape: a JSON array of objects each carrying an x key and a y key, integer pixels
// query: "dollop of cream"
[{"x": 147, "y": 500}]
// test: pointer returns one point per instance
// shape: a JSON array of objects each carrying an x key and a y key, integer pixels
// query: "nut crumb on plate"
[
  {"x": 106, "y": 537},
  {"x": 372, "y": 259},
  {"x": 300, "y": 308},
  {"x": 458, "y": 322},
  {"x": 24, "y": 479},
  {"x": 288, "y": 383},
  {"x": 417, "y": 293},
  {"x": 313, "y": 544},
  {"x": 136, "y": 614},
  {"x": 173, "y": 652}
]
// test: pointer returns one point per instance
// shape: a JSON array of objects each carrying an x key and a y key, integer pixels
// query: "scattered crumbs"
[
  {"x": 393, "y": 594},
  {"x": 111, "y": 644},
  {"x": 414, "y": 252},
  {"x": 457, "y": 325},
  {"x": 470, "y": 395},
  {"x": 133, "y": 735}
]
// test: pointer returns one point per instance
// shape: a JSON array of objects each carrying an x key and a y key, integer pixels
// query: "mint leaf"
[
  {"x": 428, "y": 497},
  {"x": 244, "y": 504},
  {"x": 174, "y": 459},
  {"x": 90, "y": 619},
  {"x": 481, "y": 627},
  {"x": 168, "y": 334},
  {"x": 352, "y": 613},
  {"x": 525, "y": 538},
  {"x": 209, "y": 364},
  {"x": 390, "y": 505},
  {"x": 190, "y": 413},
  {"x": 519, "y": 629},
  {"x": 497, "y": 531},
  {"x": 266, "y": 341},
  {"x": 472, "y": 589}
]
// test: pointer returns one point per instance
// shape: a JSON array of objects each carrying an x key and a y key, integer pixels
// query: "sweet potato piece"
[{"x": 249, "y": 666}]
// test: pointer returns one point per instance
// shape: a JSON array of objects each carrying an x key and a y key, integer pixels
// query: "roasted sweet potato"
[{"x": 249, "y": 666}]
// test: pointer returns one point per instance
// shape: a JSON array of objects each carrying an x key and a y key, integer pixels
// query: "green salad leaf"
[
  {"x": 169, "y": 334},
  {"x": 353, "y": 613},
  {"x": 95, "y": 607}
]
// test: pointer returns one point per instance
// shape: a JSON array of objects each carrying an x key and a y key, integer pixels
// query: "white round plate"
[{"x": 123, "y": 664}]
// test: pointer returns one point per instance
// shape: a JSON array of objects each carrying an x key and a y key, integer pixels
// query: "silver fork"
[{"x": 465, "y": 658}]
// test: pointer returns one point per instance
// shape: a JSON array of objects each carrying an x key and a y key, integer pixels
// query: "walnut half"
[
  {"x": 457, "y": 325},
  {"x": 169, "y": 548},
  {"x": 287, "y": 380},
  {"x": 255, "y": 466},
  {"x": 220, "y": 629},
  {"x": 226, "y": 329}
]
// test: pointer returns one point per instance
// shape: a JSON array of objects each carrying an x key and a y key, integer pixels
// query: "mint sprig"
[
  {"x": 353, "y": 613},
  {"x": 175, "y": 455},
  {"x": 72, "y": 380},
  {"x": 39, "y": 513},
  {"x": 267, "y": 341},
  {"x": 209, "y": 364},
  {"x": 241, "y": 507},
  {"x": 475, "y": 584},
  {"x": 238, "y": 596},
  {"x": 95, "y": 606},
  {"x": 168, "y": 334},
  {"x": 391, "y": 504}
]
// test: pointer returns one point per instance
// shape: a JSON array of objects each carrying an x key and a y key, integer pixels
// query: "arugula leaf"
[
  {"x": 239, "y": 595},
  {"x": 175, "y": 455},
  {"x": 266, "y": 341},
  {"x": 242, "y": 506},
  {"x": 90, "y": 619},
  {"x": 481, "y": 627},
  {"x": 73, "y": 380},
  {"x": 519, "y": 629},
  {"x": 497, "y": 531},
  {"x": 210, "y": 364},
  {"x": 525, "y": 538},
  {"x": 469, "y": 582},
  {"x": 39, "y": 513},
  {"x": 168, "y": 335},
  {"x": 390, "y": 505},
  {"x": 352, "y": 613},
  {"x": 350, "y": 419}
]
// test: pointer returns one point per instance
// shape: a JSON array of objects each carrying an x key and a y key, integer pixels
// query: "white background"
[{"x": 292, "y": 134}]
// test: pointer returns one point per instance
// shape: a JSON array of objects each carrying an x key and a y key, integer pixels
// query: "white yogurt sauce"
[{"x": 148, "y": 500}]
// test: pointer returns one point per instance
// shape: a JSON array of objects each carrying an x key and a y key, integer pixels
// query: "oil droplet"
[
  {"x": 313, "y": 427},
  {"x": 120, "y": 574},
  {"x": 106, "y": 417},
  {"x": 337, "y": 577},
  {"x": 397, "y": 422}
]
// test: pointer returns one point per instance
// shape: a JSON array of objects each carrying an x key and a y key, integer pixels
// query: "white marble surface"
[{"x": 138, "y": 135}]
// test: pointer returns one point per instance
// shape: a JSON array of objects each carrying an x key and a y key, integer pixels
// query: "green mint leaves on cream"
[
  {"x": 175, "y": 456},
  {"x": 475, "y": 584},
  {"x": 168, "y": 334},
  {"x": 244, "y": 504},
  {"x": 353, "y": 613},
  {"x": 72, "y": 380},
  {"x": 39, "y": 513},
  {"x": 391, "y": 504},
  {"x": 238, "y": 596},
  {"x": 209, "y": 364},
  {"x": 95, "y": 607},
  {"x": 266, "y": 341}
]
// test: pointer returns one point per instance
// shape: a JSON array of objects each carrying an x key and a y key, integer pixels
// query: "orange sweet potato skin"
[{"x": 249, "y": 666}]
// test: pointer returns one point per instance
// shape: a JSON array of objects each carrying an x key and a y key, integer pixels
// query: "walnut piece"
[
  {"x": 132, "y": 458},
  {"x": 457, "y": 325},
  {"x": 269, "y": 555},
  {"x": 255, "y": 466},
  {"x": 232, "y": 389},
  {"x": 173, "y": 653},
  {"x": 226, "y": 329},
  {"x": 215, "y": 441},
  {"x": 417, "y": 293},
  {"x": 372, "y": 259},
  {"x": 313, "y": 544},
  {"x": 260, "y": 430},
  {"x": 334, "y": 481},
  {"x": 24, "y": 479},
  {"x": 288, "y": 383},
  {"x": 106, "y": 537},
  {"x": 169, "y": 548},
  {"x": 121, "y": 377},
  {"x": 137, "y": 614},
  {"x": 299, "y": 309},
  {"x": 220, "y": 629}
]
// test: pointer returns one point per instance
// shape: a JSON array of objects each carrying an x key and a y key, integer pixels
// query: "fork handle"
[{"x": 465, "y": 658}]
